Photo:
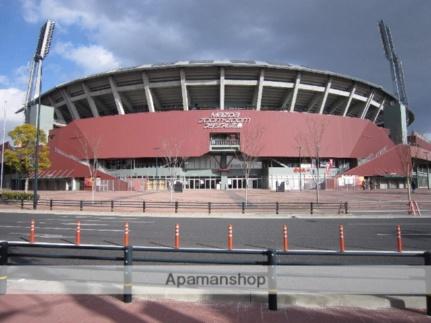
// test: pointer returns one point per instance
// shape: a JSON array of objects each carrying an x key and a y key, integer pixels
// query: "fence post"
[
  {"x": 4, "y": 246},
  {"x": 50, "y": 204},
  {"x": 176, "y": 206},
  {"x": 112, "y": 205},
  {"x": 346, "y": 207},
  {"x": 272, "y": 280},
  {"x": 427, "y": 258},
  {"x": 209, "y": 207},
  {"x": 81, "y": 205},
  {"x": 243, "y": 207},
  {"x": 143, "y": 206},
  {"x": 276, "y": 207},
  {"x": 22, "y": 203},
  {"x": 311, "y": 208},
  {"x": 127, "y": 282}
]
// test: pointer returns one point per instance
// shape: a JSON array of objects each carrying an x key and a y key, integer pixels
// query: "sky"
[{"x": 99, "y": 35}]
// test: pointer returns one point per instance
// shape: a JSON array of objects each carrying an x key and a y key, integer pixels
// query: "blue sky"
[{"x": 97, "y": 35}]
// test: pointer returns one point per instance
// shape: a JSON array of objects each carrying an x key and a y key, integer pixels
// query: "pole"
[
  {"x": 2, "y": 147},
  {"x": 36, "y": 148},
  {"x": 318, "y": 175},
  {"x": 272, "y": 280},
  {"x": 399, "y": 238},
  {"x": 341, "y": 238},
  {"x": 127, "y": 282},
  {"x": 427, "y": 258},
  {"x": 229, "y": 237},
  {"x": 300, "y": 170},
  {"x": 3, "y": 266},
  {"x": 157, "y": 174}
]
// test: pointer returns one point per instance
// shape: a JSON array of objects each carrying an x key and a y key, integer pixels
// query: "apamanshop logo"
[{"x": 237, "y": 280}]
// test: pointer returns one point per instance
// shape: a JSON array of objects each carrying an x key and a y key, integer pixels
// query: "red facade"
[{"x": 280, "y": 134}]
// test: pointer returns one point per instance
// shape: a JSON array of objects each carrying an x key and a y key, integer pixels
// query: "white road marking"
[
  {"x": 388, "y": 224},
  {"x": 404, "y": 234},
  {"x": 103, "y": 221},
  {"x": 85, "y": 224},
  {"x": 57, "y": 228}
]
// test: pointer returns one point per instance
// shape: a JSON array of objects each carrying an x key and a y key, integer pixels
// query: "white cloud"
[
  {"x": 4, "y": 80},
  {"x": 427, "y": 135},
  {"x": 91, "y": 59},
  {"x": 79, "y": 12},
  {"x": 130, "y": 37},
  {"x": 12, "y": 99}
]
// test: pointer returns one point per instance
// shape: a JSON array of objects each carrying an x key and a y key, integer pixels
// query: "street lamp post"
[
  {"x": 42, "y": 51},
  {"x": 157, "y": 168},
  {"x": 300, "y": 169},
  {"x": 2, "y": 147},
  {"x": 428, "y": 171}
]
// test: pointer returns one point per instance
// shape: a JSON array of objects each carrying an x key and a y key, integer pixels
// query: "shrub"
[{"x": 16, "y": 196}]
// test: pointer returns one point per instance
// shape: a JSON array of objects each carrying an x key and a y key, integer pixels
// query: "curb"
[
  {"x": 306, "y": 300},
  {"x": 217, "y": 215}
]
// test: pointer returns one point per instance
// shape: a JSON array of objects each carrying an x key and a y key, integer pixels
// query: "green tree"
[{"x": 20, "y": 158}]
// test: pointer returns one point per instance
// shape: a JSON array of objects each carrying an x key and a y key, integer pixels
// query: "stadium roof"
[{"x": 212, "y": 84}]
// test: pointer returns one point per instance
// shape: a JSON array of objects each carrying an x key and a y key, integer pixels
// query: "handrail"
[
  {"x": 129, "y": 251},
  {"x": 143, "y": 205}
]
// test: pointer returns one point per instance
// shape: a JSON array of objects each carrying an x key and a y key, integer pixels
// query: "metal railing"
[
  {"x": 128, "y": 255},
  {"x": 178, "y": 206}
]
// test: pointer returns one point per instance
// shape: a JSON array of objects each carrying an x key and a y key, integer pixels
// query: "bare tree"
[
  {"x": 173, "y": 161},
  {"x": 251, "y": 146},
  {"x": 312, "y": 140},
  {"x": 89, "y": 153},
  {"x": 408, "y": 156}
]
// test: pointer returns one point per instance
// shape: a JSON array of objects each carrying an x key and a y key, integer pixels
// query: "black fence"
[
  {"x": 129, "y": 255},
  {"x": 177, "y": 206}
]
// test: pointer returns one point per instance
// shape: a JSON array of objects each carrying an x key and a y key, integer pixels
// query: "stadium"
[{"x": 222, "y": 124}]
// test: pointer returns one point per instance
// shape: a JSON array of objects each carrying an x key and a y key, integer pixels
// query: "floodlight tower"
[
  {"x": 395, "y": 63},
  {"x": 395, "y": 118},
  {"x": 34, "y": 92}
]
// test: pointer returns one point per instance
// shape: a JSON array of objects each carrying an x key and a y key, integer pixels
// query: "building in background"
[{"x": 218, "y": 124}]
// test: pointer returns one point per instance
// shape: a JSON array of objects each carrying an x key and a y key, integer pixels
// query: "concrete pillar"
[
  {"x": 395, "y": 119},
  {"x": 90, "y": 100},
  {"x": 295, "y": 92},
  {"x": 428, "y": 175},
  {"x": 148, "y": 93},
  {"x": 223, "y": 182},
  {"x": 70, "y": 105},
  {"x": 184, "y": 90},
  {"x": 117, "y": 97},
  {"x": 74, "y": 184},
  {"x": 260, "y": 90},
  {"x": 349, "y": 101},
  {"x": 222, "y": 88},
  {"x": 325, "y": 96}
]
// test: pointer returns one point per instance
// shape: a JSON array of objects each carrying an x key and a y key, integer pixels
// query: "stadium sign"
[{"x": 224, "y": 120}]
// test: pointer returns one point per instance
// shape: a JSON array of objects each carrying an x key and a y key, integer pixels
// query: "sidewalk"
[{"x": 83, "y": 308}]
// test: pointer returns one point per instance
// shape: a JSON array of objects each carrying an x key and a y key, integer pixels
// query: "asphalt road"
[{"x": 360, "y": 234}]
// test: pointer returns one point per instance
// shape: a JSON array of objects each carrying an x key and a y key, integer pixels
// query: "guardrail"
[
  {"x": 130, "y": 255},
  {"x": 177, "y": 206}
]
